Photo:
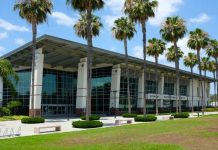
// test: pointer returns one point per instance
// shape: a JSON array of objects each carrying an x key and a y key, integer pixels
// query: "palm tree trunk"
[
  {"x": 156, "y": 63},
  {"x": 127, "y": 75},
  {"x": 216, "y": 59},
  {"x": 144, "y": 66},
  {"x": 205, "y": 96},
  {"x": 177, "y": 78},
  {"x": 192, "y": 90},
  {"x": 89, "y": 61},
  {"x": 201, "y": 84},
  {"x": 34, "y": 34},
  {"x": 214, "y": 83}
]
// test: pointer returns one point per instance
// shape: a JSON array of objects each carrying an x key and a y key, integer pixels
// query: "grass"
[
  {"x": 197, "y": 133},
  {"x": 9, "y": 118}
]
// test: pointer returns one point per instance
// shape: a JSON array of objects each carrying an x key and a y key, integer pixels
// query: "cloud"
[
  {"x": 166, "y": 8},
  {"x": 20, "y": 41},
  {"x": 63, "y": 19},
  {"x": 11, "y": 27},
  {"x": 109, "y": 20},
  {"x": 200, "y": 19},
  {"x": 115, "y": 6},
  {"x": 3, "y": 35},
  {"x": 2, "y": 48}
]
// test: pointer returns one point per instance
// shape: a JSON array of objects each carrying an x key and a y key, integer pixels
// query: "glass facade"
[
  {"x": 151, "y": 87},
  {"x": 101, "y": 86},
  {"x": 133, "y": 80},
  {"x": 169, "y": 88},
  {"x": 183, "y": 90},
  {"x": 58, "y": 92},
  {"x": 22, "y": 88}
]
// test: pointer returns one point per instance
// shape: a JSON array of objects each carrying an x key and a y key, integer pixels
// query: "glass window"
[{"x": 169, "y": 88}]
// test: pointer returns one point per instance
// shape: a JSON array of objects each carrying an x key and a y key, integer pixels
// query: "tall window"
[
  {"x": 151, "y": 87},
  {"x": 22, "y": 88},
  {"x": 133, "y": 80},
  {"x": 101, "y": 85},
  {"x": 183, "y": 90},
  {"x": 169, "y": 88}
]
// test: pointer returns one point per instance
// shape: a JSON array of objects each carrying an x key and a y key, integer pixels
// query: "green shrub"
[
  {"x": 30, "y": 120},
  {"x": 147, "y": 118},
  {"x": 13, "y": 106},
  {"x": 211, "y": 109},
  {"x": 92, "y": 117},
  {"x": 129, "y": 115},
  {"x": 181, "y": 115},
  {"x": 87, "y": 124},
  {"x": 4, "y": 111}
]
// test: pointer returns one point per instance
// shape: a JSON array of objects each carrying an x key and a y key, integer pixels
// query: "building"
[{"x": 60, "y": 81}]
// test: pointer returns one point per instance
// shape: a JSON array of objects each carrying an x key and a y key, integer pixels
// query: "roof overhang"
[{"x": 67, "y": 54}]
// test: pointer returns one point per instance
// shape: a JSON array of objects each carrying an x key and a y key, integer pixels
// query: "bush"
[
  {"x": 181, "y": 115},
  {"x": 92, "y": 117},
  {"x": 87, "y": 124},
  {"x": 30, "y": 120},
  {"x": 147, "y": 118},
  {"x": 211, "y": 109},
  {"x": 13, "y": 106},
  {"x": 129, "y": 115},
  {"x": 4, "y": 111}
]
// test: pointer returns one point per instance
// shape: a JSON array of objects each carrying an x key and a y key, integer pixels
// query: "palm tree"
[
  {"x": 124, "y": 30},
  {"x": 140, "y": 11},
  {"x": 212, "y": 68},
  {"x": 205, "y": 68},
  {"x": 212, "y": 51},
  {"x": 87, "y": 6},
  {"x": 199, "y": 40},
  {"x": 6, "y": 71},
  {"x": 191, "y": 61},
  {"x": 173, "y": 29},
  {"x": 35, "y": 12},
  {"x": 156, "y": 48},
  {"x": 81, "y": 24}
]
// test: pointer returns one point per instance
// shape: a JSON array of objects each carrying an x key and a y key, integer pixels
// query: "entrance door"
[{"x": 56, "y": 110}]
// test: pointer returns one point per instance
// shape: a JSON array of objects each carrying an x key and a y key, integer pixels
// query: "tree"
[
  {"x": 212, "y": 68},
  {"x": 212, "y": 51},
  {"x": 198, "y": 40},
  {"x": 35, "y": 12},
  {"x": 173, "y": 29},
  {"x": 13, "y": 106},
  {"x": 81, "y": 24},
  {"x": 173, "y": 56},
  {"x": 87, "y": 6},
  {"x": 156, "y": 48},
  {"x": 191, "y": 61},
  {"x": 124, "y": 30},
  {"x": 205, "y": 68},
  {"x": 140, "y": 11},
  {"x": 7, "y": 72}
]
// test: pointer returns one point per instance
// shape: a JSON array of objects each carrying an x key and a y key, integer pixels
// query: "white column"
[
  {"x": 140, "y": 103},
  {"x": 161, "y": 89},
  {"x": 115, "y": 89},
  {"x": 81, "y": 87},
  {"x": 38, "y": 76},
  {"x": 1, "y": 91}
]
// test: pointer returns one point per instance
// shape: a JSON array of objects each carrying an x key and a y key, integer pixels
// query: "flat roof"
[{"x": 66, "y": 53}]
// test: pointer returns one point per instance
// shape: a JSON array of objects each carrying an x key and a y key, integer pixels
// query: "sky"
[{"x": 15, "y": 32}]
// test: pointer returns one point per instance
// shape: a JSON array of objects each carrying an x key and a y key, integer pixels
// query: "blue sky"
[{"x": 15, "y": 32}]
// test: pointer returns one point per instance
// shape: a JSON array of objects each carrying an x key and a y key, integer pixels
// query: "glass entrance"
[{"x": 56, "y": 110}]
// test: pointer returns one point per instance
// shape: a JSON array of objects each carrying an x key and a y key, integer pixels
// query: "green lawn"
[
  {"x": 194, "y": 134},
  {"x": 9, "y": 118}
]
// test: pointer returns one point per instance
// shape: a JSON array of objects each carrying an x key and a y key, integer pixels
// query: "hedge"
[
  {"x": 87, "y": 124},
  {"x": 92, "y": 117},
  {"x": 30, "y": 120},
  {"x": 211, "y": 109},
  {"x": 147, "y": 118},
  {"x": 129, "y": 115},
  {"x": 181, "y": 115}
]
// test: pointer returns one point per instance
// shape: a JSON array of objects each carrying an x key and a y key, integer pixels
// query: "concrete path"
[{"x": 66, "y": 125}]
